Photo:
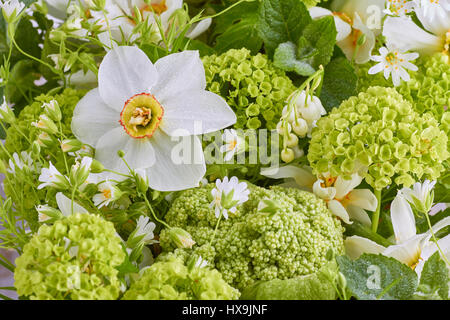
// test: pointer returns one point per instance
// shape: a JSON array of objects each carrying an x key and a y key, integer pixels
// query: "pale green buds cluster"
[
  {"x": 379, "y": 130},
  {"x": 6, "y": 113},
  {"x": 181, "y": 238},
  {"x": 255, "y": 89}
]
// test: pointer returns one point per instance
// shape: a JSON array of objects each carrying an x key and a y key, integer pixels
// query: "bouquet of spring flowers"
[{"x": 225, "y": 149}]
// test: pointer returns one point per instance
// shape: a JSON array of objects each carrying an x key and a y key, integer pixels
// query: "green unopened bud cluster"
[
  {"x": 251, "y": 85},
  {"x": 379, "y": 130},
  {"x": 75, "y": 258}
]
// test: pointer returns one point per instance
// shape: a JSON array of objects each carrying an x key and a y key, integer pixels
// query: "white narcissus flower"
[
  {"x": 342, "y": 199},
  {"x": 408, "y": 36},
  {"x": 353, "y": 19},
  {"x": 395, "y": 62},
  {"x": 410, "y": 248},
  {"x": 143, "y": 109},
  {"x": 227, "y": 195},
  {"x": 108, "y": 192},
  {"x": 11, "y": 9},
  {"x": 51, "y": 177},
  {"x": 233, "y": 144}
]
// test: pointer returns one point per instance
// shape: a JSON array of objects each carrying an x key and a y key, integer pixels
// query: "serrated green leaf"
[
  {"x": 373, "y": 277},
  {"x": 281, "y": 21},
  {"x": 434, "y": 279},
  {"x": 321, "y": 35},
  {"x": 339, "y": 83},
  {"x": 285, "y": 58},
  {"x": 238, "y": 28}
]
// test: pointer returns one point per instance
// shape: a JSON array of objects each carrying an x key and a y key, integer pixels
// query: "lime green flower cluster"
[
  {"x": 251, "y": 85},
  {"x": 75, "y": 258},
  {"x": 255, "y": 244},
  {"x": 379, "y": 130},
  {"x": 171, "y": 279},
  {"x": 67, "y": 100}
]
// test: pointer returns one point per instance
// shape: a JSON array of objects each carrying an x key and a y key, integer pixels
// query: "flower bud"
[
  {"x": 45, "y": 124},
  {"x": 287, "y": 155},
  {"x": 36, "y": 149},
  {"x": 141, "y": 180},
  {"x": 2, "y": 167},
  {"x": 269, "y": 206},
  {"x": 97, "y": 166},
  {"x": 181, "y": 238},
  {"x": 291, "y": 140},
  {"x": 6, "y": 113},
  {"x": 80, "y": 172},
  {"x": 70, "y": 145},
  {"x": 47, "y": 213},
  {"x": 52, "y": 110},
  {"x": 45, "y": 140},
  {"x": 300, "y": 127},
  {"x": 120, "y": 153},
  {"x": 280, "y": 128}
]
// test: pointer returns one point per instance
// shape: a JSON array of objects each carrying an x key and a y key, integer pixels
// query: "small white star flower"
[
  {"x": 51, "y": 177},
  {"x": 19, "y": 162},
  {"x": 145, "y": 228},
  {"x": 227, "y": 195},
  {"x": 392, "y": 61},
  {"x": 108, "y": 193},
  {"x": 201, "y": 263},
  {"x": 233, "y": 144},
  {"x": 11, "y": 9},
  {"x": 399, "y": 7}
]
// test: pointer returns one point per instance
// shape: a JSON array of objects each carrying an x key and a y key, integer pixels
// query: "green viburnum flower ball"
[
  {"x": 251, "y": 245},
  {"x": 251, "y": 85},
  {"x": 380, "y": 130},
  {"x": 171, "y": 279},
  {"x": 76, "y": 258}
]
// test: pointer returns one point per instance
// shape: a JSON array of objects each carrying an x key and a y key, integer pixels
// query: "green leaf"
[
  {"x": 374, "y": 277},
  {"x": 286, "y": 59},
  {"x": 127, "y": 266},
  {"x": 203, "y": 48},
  {"x": 238, "y": 28},
  {"x": 434, "y": 279},
  {"x": 315, "y": 286},
  {"x": 320, "y": 34},
  {"x": 282, "y": 21},
  {"x": 339, "y": 83},
  {"x": 28, "y": 38}
]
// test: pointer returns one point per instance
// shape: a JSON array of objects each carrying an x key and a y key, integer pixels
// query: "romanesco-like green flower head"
[
  {"x": 75, "y": 258},
  {"x": 253, "y": 244},
  {"x": 251, "y": 85},
  {"x": 171, "y": 279},
  {"x": 379, "y": 130}
]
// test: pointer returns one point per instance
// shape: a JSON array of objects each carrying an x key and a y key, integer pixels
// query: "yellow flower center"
[
  {"x": 141, "y": 115},
  {"x": 397, "y": 6},
  {"x": 107, "y": 193},
  {"x": 393, "y": 60},
  {"x": 157, "y": 8}
]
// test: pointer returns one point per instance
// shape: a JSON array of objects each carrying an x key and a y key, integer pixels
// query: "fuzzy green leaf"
[
  {"x": 434, "y": 279},
  {"x": 374, "y": 277},
  {"x": 282, "y": 21},
  {"x": 285, "y": 58}
]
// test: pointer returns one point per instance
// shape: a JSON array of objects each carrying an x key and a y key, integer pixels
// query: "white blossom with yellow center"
[
  {"x": 144, "y": 108},
  {"x": 392, "y": 61},
  {"x": 406, "y": 35},
  {"x": 399, "y": 7}
]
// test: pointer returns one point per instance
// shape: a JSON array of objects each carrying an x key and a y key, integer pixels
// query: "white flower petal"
[
  {"x": 363, "y": 198},
  {"x": 356, "y": 246},
  {"x": 139, "y": 153},
  {"x": 407, "y": 252},
  {"x": 338, "y": 210},
  {"x": 326, "y": 193},
  {"x": 198, "y": 28},
  {"x": 65, "y": 205},
  {"x": 196, "y": 112},
  {"x": 303, "y": 176},
  {"x": 434, "y": 19},
  {"x": 406, "y": 36},
  {"x": 167, "y": 173},
  {"x": 92, "y": 118},
  {"x": 124, "y": 72},
  {"x": 359, "y": 214},
  {"x": 343, "y": 186},
  {"x": 179, "y": 72},
  {"x": 376, "y": 68},
  {"x": 403, "y": 220}
]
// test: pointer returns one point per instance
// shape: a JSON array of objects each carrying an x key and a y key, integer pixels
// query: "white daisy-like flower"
[
  {"x": 394, "y": 62},
  {"x": 420, "y": 196},
  {"x": 399, "y": 7},
  {"x": 108, "y": 192},
  {"x": 233, "y": 144},
  {"x": 201, "y": 263},
  {"x": 406, "y": 35},
  {"x": 227, "y": 195},
  {"x": 144, "y": 109},
  {"x": 144, "y": 229},
  {"x": 51, "y": 177},
  {"x": 18, "y": 163},
  {"x": 11, "y": 8}
]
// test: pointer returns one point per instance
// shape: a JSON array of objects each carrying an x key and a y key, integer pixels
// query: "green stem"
[
  {"x": 376, "y": 214},
  {"x": 153, "y": 212},
  {"x": 435, "y": 240},
  {"x": 215, "y": 230}
]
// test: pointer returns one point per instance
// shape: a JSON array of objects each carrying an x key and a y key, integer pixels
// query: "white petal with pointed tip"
[
  {"x": 92, "y": 118},
  {"x": 196, "y": 112},
  {"x": 356, "y": 246},
  {"x": 123, "y": 73},
  {"x": 167, "y": 174},
  {"x": 302, "y": 176},
  {"x": 139, "y": 153},
  {"x": 363, "y": 198},
  {"x": 338, "y": 210},
  {"x": 359, "y": 214},
  {"x": 65, "y": 205},
  {"x": 403, "y": 220},
  {"x": 179, "y": 72}
]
